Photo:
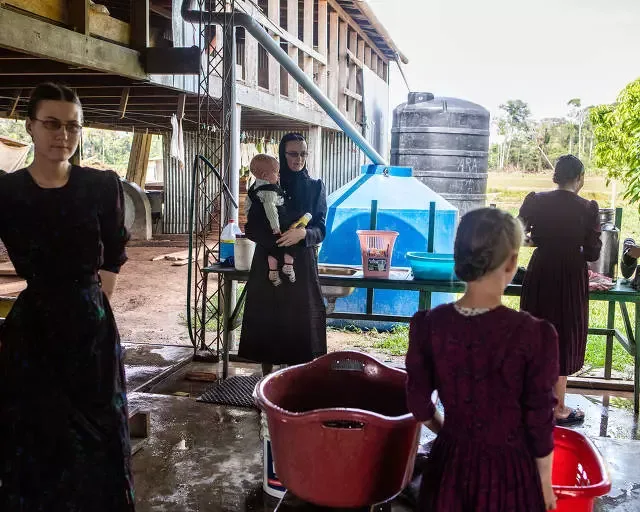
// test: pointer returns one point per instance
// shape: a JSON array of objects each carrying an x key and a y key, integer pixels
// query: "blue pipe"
[{"x": 257, "y": 31}]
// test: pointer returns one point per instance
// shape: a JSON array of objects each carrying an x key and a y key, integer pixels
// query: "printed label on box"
[{"x": 377, "y": 264}]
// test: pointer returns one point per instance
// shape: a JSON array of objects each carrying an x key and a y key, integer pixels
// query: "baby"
[{"x": 267, "y": 191}]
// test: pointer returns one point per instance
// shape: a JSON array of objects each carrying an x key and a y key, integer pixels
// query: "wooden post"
[
  {"x": 250, "y": 60},
  {"x": 78, "y": 16},
  {"x": 359, "y": 71},
  {"x": 367, "y": 56},
  {"x": 124, "y": 101},
  {"x": 343, "y": 68},
  {"x": 139, "y": 158},
  {"x": 273, "y": 11},
  {"x": 182, "y": 103},
  {"x": 322, "y": 43},
  {"x": 140, "y": 24},
  {"x": 374, "y": 63},
  {"x": 333, "y": 57},
  {"x": 383, "y": 71},
  {"x": 353, "y": 69},
  {"x": 292, "y": 28},
  {"x": 315, "y": 151},
  {"x": 307, "y": 36},
  {"x": 14, "y": 104}
]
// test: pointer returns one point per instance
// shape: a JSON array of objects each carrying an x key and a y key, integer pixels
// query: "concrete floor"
[
  {"x": 144, "y": 362},
  {"x": 208, "y": 458}
]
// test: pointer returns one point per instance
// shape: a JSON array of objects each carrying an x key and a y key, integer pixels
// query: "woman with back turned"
[{"x": 565, "y": 229}]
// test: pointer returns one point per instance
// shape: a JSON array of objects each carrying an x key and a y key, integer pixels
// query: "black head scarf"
[{"x": 293, "y": 183}]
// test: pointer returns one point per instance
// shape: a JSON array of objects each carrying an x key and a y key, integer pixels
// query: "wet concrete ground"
[
  {"x": 208, "y": 458},
  {"x": 143, "y": 362}
]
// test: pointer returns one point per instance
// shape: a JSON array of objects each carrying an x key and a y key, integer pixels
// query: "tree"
[
  {"x": 14, "y": 130},
  {"x": 579, "y": 115},
  {"x": 617, "y": 134},
  {"x": 514, "y": 123}
]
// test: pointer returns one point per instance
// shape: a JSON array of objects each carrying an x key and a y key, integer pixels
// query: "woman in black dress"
[
  {"x": 565, "y": 230},
  {"x": 64, "y": 440},
  {"x": 287, "y": 324}
]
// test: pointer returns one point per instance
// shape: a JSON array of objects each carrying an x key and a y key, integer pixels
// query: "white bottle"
[{"x": 228, "y": 239}]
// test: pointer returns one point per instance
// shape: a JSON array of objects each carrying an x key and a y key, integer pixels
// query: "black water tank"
[{"x": 446, "y": 141}]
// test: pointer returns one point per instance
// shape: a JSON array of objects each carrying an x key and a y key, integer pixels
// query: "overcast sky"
[{"x": 544, "y": 52}]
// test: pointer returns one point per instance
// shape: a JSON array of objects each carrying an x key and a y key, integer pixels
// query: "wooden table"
[{"x": 622, "y": 295}]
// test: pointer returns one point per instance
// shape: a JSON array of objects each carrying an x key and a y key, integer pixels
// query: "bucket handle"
[
  {"x": 344, "y": 420},
  {"x": 348, "y": 364},
  {"x": 343, "y": 424}
]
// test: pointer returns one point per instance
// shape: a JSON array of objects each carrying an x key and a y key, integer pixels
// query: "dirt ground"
[
  {"x": 150, "y": 305},
  {"x": 150, "y": 299}
]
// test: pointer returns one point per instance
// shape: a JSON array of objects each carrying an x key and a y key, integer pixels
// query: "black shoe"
[{"x": 576, "y": 417}]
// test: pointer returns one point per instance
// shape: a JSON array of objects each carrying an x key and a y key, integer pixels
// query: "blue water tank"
[{"x": 403, "y": 206}]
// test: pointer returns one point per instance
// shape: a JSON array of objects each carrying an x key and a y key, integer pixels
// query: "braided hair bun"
[
  {"x": 568, "y": 169},
  {"x": 486, "y": 237}
]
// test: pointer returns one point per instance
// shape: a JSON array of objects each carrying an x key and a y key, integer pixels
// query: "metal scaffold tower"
[{"x": 212, "y": 202}]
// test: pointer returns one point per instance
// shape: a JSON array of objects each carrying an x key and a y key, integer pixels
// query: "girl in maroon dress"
[
  {"x": 494, "y": 370},
  {"x": 565, "y": 228}
]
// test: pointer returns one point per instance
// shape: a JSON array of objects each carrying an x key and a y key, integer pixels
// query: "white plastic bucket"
[
  {"x": 270, "y": 483},
  {"x": 243, "y": 253}
]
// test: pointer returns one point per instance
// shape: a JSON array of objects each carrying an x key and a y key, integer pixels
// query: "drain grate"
[{"x": 235, "y": 391}]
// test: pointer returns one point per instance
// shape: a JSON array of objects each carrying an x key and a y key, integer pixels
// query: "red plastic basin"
[
  {"x": 579, "y": 472},
  {"x": 341, "y": 434}
]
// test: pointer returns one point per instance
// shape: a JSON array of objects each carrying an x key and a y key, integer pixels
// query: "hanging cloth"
[{"x": 177, "y": 141}]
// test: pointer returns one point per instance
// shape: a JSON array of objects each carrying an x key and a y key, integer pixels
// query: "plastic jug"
[{"x": 228, "y": 239}]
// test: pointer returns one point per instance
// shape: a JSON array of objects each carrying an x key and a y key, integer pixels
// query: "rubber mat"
[{"x": 235, "y": 391}]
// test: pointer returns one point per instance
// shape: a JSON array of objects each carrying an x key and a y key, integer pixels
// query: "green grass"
[
  {"x": 395, "y": 342},
  {"x": 213, "y": 318},
  {"x": 507, "y": 191}
]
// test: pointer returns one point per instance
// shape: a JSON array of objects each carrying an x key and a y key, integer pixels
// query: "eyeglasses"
[
  {"x": 53, "y": 125},
  {"x": 295, "y": 154}
]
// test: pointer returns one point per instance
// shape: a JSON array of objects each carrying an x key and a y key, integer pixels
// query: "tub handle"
[
  {"x": 343, "y": 424},
  {"x": 348, "y": 364}
]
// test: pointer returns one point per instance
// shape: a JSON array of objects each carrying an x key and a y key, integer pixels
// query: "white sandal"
[
  {"x": 274, "y": 277},
  {"x": 288, "y": 271}
]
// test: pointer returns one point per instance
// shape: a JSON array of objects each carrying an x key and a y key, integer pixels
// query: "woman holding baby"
[{"x": 286, "y": 323}]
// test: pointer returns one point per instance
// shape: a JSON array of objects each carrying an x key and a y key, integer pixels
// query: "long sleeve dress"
[
  {"x": 286, "y": 324},
  {"x": 494, "y": 374},
  {"x": 565, "y": 229},
  {"x": 64, "y": 440}
]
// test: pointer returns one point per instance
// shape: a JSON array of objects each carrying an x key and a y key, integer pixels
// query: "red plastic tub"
[
  {"x": 579, "y": 472},
  {"x": 341, "y": 434}
]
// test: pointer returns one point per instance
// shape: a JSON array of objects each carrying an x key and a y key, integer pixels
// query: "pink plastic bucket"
[{"x": 377, "y": 248}]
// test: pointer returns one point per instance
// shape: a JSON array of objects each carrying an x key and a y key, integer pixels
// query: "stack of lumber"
[{"x": 178, "y": 258}]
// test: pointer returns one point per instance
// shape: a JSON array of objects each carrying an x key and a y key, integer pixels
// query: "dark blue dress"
[
  {"x": 64, "y": 440},
  {"x": 286, "y": 324}
]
